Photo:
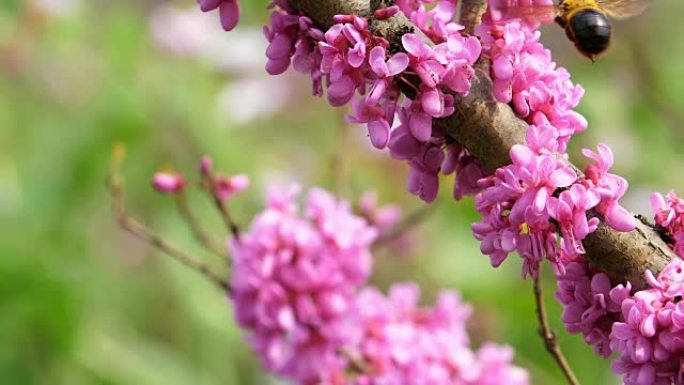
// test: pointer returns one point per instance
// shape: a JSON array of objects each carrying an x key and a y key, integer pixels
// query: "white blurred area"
[
  {"x": 56, "y": 7},
  {"x": 252, "y": 93}
]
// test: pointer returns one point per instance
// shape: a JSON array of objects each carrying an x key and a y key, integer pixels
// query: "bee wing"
[
  {"x": 530, "y": 13},
  {"x": 623, "y": 9}
]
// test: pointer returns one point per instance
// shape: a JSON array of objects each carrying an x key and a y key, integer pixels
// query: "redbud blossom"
[
  {"x": 294, "y": 279},
  {"x": 227, "y": 186},
  {"x": 229, "y": 11},
  {"x": 206, "y": 165},
  {"x": 168, "y": 183}
]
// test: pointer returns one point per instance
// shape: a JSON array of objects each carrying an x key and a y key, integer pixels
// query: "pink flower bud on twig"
[{"x": 168, "y": 183}]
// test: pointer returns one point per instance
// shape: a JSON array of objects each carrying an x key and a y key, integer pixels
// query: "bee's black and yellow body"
[{"x": 586, "y": 25}]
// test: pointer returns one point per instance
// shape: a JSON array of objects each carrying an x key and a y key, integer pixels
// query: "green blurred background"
[{"x": 81, "y": 302}]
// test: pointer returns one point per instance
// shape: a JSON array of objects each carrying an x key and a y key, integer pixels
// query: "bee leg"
[{"x": 560, "y": 21}]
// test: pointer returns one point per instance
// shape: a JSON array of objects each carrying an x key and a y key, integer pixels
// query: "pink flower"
[
  {"x": 590, "y": 304},
  {"x": 206, "y": 167},
  {"x": 611, "y": 187},
  {"x": 229, "y": 10},
  {"x": 669, "y": 214},
  {"x": 385, "y": 70},
  {"x": 514, "y": 205},
  {"x": 385, "y": 13},
  {"x": 541, "y": 175},
  {"x": 382, "y": 88},
  {"x": 382, "y": 218},
  {"x": 570, "y": 211},
  {"x": 168, "y": 183},
  {"x": 468, "y": 171},
  {"x": 423, "y": 179},
  {"x": 422, "y": 60},
  {"x": 228, "y": 186}
]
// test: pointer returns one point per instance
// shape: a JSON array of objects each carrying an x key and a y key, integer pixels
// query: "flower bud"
[
  {"x": 206, "y": 165},
  {"x": 168, "y": 183},
  {"x": 228, "y": 186},
  {"x": 385, "y": 13}
]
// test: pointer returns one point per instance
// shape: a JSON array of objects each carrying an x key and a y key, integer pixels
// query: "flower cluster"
[
  {"x": 352, "y": 65},
  {"x": 220, "y": 186},
  {"x": 590, "y": 304},
  {"x": 669, "y": 214},
  {"x": 524, "y": 74},
  {"x": 294, "y": 279},
  {"x": 645, "y": 329},
  {"x": 650, "y": 339},
  {"x": 298, "y": 286},
  {"x": 402, "y": 342},
  {"x": 524, "y": 204}
]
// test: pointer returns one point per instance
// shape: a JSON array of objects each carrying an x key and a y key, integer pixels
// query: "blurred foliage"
[{"x": 83, "y": 303}]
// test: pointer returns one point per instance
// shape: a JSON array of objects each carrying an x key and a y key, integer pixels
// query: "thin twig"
[
  {"x": 356, "y": 363},
  {"x": 548, "y": 335},
  {"x": 197, "y": 230},
  {"x": 221, "y": 205},
  {"x": 409, "y": 222},
  {"x": 133, "y": 226}
]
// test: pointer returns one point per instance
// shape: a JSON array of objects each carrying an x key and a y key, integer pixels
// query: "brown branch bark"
[
  {"x": 471, "y": 14},
  {"x": 489, "y": 129}
]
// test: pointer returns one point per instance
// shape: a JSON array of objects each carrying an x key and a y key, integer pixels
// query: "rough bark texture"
[
  {"x": 489, "y": 129},
  {"x": 471, "y": 14},
  {"x": 322, "y": 11}
]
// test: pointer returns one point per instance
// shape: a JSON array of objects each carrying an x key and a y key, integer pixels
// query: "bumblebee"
[{"x": 586, "y": 22}]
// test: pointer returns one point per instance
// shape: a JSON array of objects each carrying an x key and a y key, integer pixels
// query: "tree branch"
[
  {"x": 489, "y": 129},
  {"x": 548, "y": 335},
  {"x": 221, "y": 205},
  {"x": 471, "y": 14}
]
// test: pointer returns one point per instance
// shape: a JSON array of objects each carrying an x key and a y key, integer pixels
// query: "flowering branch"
[
  {"x": 548, "y": 335},
  {"x": 133, "y": 226},
  {"x": 489, "y": 129}
]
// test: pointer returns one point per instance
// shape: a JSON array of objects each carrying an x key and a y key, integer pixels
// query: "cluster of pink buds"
[{"x": 221, "y": 186}]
